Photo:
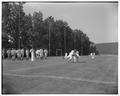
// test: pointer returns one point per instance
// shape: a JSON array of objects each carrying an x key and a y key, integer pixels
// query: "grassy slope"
[{"x": 107, "y": 48}]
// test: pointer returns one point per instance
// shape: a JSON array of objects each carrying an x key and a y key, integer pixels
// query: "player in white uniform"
[
  {"x": 92, "y": 49},
  {"x": 27, "y": 53},
  {"x": 66, "y": 54},
  {"x": 77, "y": 55},
  {"x": 92, "y": 55},
  {"x": 19, "y": 54},
  {"x": 22, "y": 54},
  {"x": 8, "y": 53},
  {"x": 37, "y": 53},
  {"x": 70, "y": 56},
  {"x": 13, "y": 54},
  {"x": 32, "y": 54},
  {"x": 45, "y": 53},
  {"x": 41, "y": 53}
]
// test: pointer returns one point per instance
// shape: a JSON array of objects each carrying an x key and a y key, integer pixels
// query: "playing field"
[{"x": 55, "y": 75}]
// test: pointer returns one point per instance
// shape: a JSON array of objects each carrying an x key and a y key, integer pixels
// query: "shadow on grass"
[
  {"x": 114, "y": 90},
  {"x": 81, "y": 62},
  {"x": 78, "y": 62},
  {"x": 7, "y": 87}
]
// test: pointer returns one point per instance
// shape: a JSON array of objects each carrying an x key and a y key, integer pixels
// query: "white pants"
[
  {"x": 45, "y": 55},
  {"x": 75, "y": 59},
  {"x": 32, "y": 57}
]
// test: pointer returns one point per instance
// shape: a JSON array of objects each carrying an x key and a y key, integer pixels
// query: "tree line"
[{"x": 21, "y": 30}]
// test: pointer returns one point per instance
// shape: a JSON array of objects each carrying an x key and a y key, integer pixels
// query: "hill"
[{"x": 107, "y": 48}]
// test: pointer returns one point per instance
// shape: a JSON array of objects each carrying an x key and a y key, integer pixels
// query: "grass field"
[{"x": 55, "y": 75}]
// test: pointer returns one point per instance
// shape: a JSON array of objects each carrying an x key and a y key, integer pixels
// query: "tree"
[
  {"x": 28, "y": 31},
  {"x": 32, "y": 31},
  {"x": 13, "y": 26},
  {"x": 5, "y": 14},
  {"x": 37, "y": 24},
  {"x": 81, "y": 42}
]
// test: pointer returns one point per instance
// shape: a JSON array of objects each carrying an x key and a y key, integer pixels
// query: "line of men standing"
[{"x": 20, "y": 54}]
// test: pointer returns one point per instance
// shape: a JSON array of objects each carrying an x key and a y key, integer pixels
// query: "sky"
[{"x": 98, "y": 20}]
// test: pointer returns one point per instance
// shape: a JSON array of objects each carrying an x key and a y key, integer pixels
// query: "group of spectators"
[{"x": 22, "y": 53}]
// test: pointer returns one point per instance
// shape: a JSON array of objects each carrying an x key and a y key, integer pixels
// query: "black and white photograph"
[{"x": 59, "y": 47}]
